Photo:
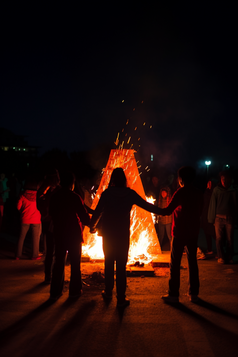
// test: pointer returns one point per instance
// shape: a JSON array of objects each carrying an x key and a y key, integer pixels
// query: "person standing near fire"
[
  {"x": 30, "y": 218},
  {"x": 113, "y": 211},
  {"x": 222, "y": 212},
  {"x": 164, "y": 222},
  {"x": 208, "y": 228},
  {"x": 49, "y": 186},
  {"x": 68, "y": 214},
  {"x": 186, "y": 206}
]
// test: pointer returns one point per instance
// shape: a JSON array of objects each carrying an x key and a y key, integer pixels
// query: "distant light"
[
  {"x": 228, "y": 166},
  {"x": 151, "y": 157},
  {"x": 123, "y": 101},
  {"x": 208, "y": 163}
]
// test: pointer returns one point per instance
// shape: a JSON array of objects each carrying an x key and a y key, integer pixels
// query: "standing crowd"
[{"x": 55, "y": 211}]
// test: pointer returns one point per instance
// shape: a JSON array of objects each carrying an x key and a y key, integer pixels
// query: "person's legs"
[
  {"x": 23, "y": 232},
  {"x": 121, "y": 279},
  {"x": 57, "y": 282},
  {"x": 109, "y": 273},
  {"x": 50, "y": 245},
  {"x": 176, "y": 255},
  {"x": 75, "y": 285},
  {"x": 36, "y": 232},
  {"x": 230, "y": 240},
  {"x": 219, "y": 229},
  {"x": 168, "y": 231},
  {"x": 193, "y": 267}
]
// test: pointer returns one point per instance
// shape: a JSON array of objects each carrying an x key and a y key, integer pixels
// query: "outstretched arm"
[{"x": 139, "y": 201}]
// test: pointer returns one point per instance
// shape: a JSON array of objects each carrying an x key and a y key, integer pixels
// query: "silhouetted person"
[
  {"x": 207, "y": 227},
  {"x": 186, "y": 206},
  {"x": 68, "y": 214},
  {"x": 222, "y": 212},
  {"x": 30, "y": 218},
  {"x": 49, "y": 186},
  {"x": 113, "y": 210}
]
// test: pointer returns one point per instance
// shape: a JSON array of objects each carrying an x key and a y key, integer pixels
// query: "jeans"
[
  {"x": 162, "y": 229},
  {"x": 120, "y": 276},
  {"x": 224, "y": 228},
  {"x": 50, "y": 249},
  {"x": 36, "y": 232},
  {"x": 178, "y": 244},
  {"x": 57, "y": 282}
]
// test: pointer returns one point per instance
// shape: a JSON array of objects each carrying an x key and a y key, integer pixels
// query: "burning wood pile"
[{"x": 144, "y": 244}]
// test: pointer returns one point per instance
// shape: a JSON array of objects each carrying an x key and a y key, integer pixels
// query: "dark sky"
[{"x": 66, "y": 70}]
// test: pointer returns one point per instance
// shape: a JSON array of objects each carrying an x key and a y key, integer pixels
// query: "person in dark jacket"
[
  {"x": 114, "y": 209},
  {"x": 186, "y": 206},
  {"x": 207, "y": 227},
  {"x": 68, "y": 214},
  {"x": 222, "y": 213},
  {"x": 49, "y": 186}
]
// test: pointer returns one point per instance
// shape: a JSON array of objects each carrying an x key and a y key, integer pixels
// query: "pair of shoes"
[
  {"x": 54, "y": 298},
  {"x": 75, "y": 296},
  {"x": 220, "y": 261},
  {"x": 36, "y": 258},
  {"x": 123, "y": 303},
  {"x": 106, "y": 296},
  {"x": 170, "y": 299},
  {"x": 17, "y": 258},
  {"x": 193, "y": 298}
]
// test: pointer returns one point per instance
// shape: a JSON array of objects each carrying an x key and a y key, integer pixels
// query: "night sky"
[{"x": 66, "y": 71}]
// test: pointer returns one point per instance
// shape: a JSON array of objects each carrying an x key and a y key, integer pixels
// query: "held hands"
[{"x": 93, "y": 230}]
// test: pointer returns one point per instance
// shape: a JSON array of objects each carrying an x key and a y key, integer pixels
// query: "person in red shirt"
[
  {"x": 30, "y": 218},
  {"x": 186, "y": 206}
]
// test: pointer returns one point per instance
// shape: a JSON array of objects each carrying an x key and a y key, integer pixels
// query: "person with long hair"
[{"x": 113, "y": 211}]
